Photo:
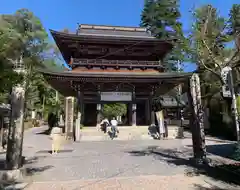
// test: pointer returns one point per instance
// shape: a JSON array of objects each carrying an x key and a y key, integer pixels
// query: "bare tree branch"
[
  {"x": 211, "y": 70},
  {"x": 211, "y": 54}
]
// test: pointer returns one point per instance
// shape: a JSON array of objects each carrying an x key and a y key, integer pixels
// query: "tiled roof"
[
  {"x": 117, "y": 31},
  {"x": 157, "y": 75}
]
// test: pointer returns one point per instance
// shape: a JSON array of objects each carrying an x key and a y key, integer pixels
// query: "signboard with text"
[
  {"x": 69, "y": 115},
  {"x": 225, "y": 77},
  {"x": 116, "y": 96}
]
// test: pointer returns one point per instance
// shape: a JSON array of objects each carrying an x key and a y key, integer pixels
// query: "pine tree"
[{"x": 161, "y": 18}]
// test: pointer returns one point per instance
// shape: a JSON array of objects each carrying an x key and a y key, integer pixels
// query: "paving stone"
[
  {"x": 176, "y": 182},
  {"x": 106, "y": 164}
]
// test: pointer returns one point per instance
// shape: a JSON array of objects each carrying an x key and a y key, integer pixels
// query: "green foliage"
[
  {"x": 7, "y": 76},
  {"x": 210, "y": 40},
  {"x": 234, "y": 22},
  {"x": 114, "y": 110},
  {"x": 161, "y": 18},
  {"x": 24, "y": 40}
]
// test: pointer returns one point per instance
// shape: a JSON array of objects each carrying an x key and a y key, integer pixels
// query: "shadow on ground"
[
  {"x": 223, "y": 150},
  {"x": 226, "y": 173},
  {"x": 45, "y": 132},
  {"x": 28, "y": 170},
  {"x": 199, "y": 187}
]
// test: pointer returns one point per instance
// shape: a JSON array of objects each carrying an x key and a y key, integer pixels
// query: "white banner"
[
  {"x": 226, "y": 87},
  {"x": 116, "y": 96},
  {"x": 160, "y": 120}
]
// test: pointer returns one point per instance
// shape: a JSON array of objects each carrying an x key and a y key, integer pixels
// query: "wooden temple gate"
[{"x": 108, "y": 59}]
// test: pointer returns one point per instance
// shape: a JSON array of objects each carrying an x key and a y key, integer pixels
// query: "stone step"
[
  {"x": 119, "y": 137},
  {"x": 130, "y": 132}
]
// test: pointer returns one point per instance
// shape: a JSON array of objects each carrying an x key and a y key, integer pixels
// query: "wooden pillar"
[
  {"x": 69, "y": 115},
  {"x": 129, "y": 107},
  {"x": 134, "y": 109},
  {"x": 197, "y": 118},
  {"x": 151, "y": 110},
  {"x": 83, "y": 111},
  {"x": 147, "y": 115}
]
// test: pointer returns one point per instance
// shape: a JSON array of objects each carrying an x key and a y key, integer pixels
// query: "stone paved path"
[
  {"x": 176, "y": 182},
  {"x": 107, "y": 165}
]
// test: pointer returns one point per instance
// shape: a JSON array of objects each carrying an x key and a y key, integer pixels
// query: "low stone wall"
[{"x": 175, "y": 132}]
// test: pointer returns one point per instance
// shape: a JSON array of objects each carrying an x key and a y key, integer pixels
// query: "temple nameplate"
[{"x": 116, "y": 96}]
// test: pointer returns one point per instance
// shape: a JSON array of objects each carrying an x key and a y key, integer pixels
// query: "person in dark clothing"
[
  {"x": 104, "y": 124},
  {"x": 52, "y": 120},
  {"x": 5, "y": 138},
  {"x": 166, "y": 129}
]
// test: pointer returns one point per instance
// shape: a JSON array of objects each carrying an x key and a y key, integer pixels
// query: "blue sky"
[{"x": 60, "y": 14}]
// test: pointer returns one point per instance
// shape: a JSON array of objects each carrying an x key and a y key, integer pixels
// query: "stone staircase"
[{"x": 126, "y": 133}]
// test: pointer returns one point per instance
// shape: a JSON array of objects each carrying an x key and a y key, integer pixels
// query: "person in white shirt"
[{"x": 114, "y": 124}]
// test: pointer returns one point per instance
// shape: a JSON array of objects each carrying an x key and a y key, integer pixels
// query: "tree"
[
  {"x": 212, "y": 53},
  {"x": 114, "y": 110},
  {"x": 161, "y": 18},
  {"x": 7, "y": 76},
  {"x": 210, "y": 36},
  {"x": 27, "y": 38}
]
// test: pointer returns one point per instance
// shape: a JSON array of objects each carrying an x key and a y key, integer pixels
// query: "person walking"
[
  {"x": 104, "y": 124},
  {"x": 114, "y": 129}
]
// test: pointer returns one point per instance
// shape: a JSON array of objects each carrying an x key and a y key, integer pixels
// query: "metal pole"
[{"x": 234, "y": 104}]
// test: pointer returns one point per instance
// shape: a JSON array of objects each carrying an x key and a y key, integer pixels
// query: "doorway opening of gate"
[
  {"x": 119, "y": 111},
  {"x": 124, "y": 112}
]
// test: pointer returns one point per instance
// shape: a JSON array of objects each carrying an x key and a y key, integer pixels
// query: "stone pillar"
[
  {"x": 197, "y": 118},
  {"x": 99, "y": 114},
  {"x": 16, "y": 127},
  {"x": 69, "y": 116},
  {"x": 134, "y": 114},
  {"x": 77, "y": 134}
]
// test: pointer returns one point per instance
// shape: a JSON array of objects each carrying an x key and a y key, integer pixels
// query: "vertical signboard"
[
  {"x": 226, "y": 88},
  {"x": 69, "y": 107},
  {"x": 160, "y": 120}
]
